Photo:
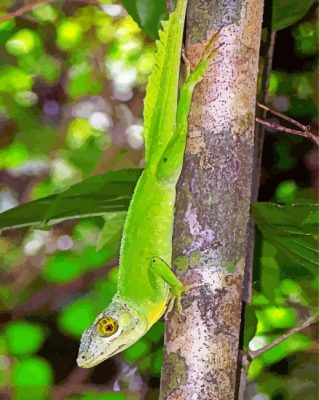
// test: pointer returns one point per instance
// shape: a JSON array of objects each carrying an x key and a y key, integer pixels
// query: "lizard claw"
[
  {"x": 175, "y": 301},
  {"x": 187, "y": 63},
  {"x": 210, "y": 52}
]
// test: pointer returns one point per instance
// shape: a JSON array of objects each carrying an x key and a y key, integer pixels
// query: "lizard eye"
[{"x": 107, "y": 326}]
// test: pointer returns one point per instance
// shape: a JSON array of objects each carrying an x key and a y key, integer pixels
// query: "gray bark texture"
[{"x": 212, "y": 208}]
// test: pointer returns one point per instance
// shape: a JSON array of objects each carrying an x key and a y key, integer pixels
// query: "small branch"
[
  {"x": 309, "y": 321},
  {"x": 60, "y": 392},
  {"x": 259, "y": 135},
  {"x": 305, "y": 130},
  {"x": 280, "y": 115},
  {"x": 20, "y": 11},
  {"x": 31, "y": 6},
  {"x": 78, "y": 376},
  {"x": 280, "y": 128},
  {"x": 258, "y": 150},
  {"x": 45, "y": 297}
]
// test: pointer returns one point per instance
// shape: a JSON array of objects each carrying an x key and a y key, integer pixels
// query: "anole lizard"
[{"x": 146, "y": 283}]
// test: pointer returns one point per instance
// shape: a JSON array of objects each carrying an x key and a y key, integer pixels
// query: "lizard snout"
[{"x": 82, "y": 359}]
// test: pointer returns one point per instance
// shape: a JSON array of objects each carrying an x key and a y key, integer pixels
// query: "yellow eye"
[{"x": 107, "y": 326}]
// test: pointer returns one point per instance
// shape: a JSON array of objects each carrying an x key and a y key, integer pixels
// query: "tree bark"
[{"x": 212, "y": 208}]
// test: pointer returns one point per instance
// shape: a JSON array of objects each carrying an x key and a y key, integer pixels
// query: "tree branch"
[
  {"x": 309, "y": 321},
  {"x": 305, "y": 130},
  {"x": 281, "y": 115},
  {"x": 258, "y": 150},
  {"x": 280, "y": 128},
  {"x": 31, "y": 6},
  {"x": 27, "y": 7},
  {"x": 60, "y": 392},
  {"x": 47, "y": 295},
  {"x": 212, "y": 205},
  {"x": 259, "y": 134}
]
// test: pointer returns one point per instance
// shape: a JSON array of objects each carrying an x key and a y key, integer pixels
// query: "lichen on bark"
[{"x": 212, "y": 206}]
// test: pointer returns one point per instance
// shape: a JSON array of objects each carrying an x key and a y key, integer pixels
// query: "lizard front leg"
[{"x": 159, "y": 267}]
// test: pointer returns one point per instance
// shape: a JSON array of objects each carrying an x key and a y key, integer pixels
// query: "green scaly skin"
[{"x": 146, "y": 283}]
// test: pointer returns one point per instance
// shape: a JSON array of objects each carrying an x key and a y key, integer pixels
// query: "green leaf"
[
  {"x": 33, "y": 371},
  {"x": 62, "y": 267},
  {"x": 157, "y": 362},
  {"x": 294, "y": 343},
  {"x": 23, "y": 337},
  {"x": 293, "y": 228},
  {"x": 287, "y": 12},
  {"x": 77, "y": 316},
  {"x": 102, "y": 396},
  {"x": 275, "y": 317},
  {"x": 66, "y": 266},
  {"x": 69, "y": 34},
  {"x": 147, "y": 13},
  {"x": 250, "y": 320},
  {"x": 45, "y": 13},
  {"x": 97, "y": 195},
  {"x": 13, "y": 79},
  {"x": 270, "y": 275},
  {"x": 112, "y": 229},
  {"x": 156, "y": 333},
  {"x": 139, "y": 349},
  {"x": 23, "y": 42}
]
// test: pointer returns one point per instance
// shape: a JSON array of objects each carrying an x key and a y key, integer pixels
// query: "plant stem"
[
  {"x": 212, "y": 207},
  {"x": 280, "y": 128},
  {"x": 31, "y": 6},
  {"x": 309, "y": 321}
]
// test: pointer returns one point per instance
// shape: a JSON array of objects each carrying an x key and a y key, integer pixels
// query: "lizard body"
[{"x": 146, "y": 282}]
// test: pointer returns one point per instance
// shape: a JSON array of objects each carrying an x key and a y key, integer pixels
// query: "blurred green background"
[{"x": 72, "y": 82}]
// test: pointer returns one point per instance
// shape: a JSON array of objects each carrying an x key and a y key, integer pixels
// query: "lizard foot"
[
  {"x": 187, "y": 63},
  {"x": 210, "y": 51},
  {"x": 175, "y": 301}
]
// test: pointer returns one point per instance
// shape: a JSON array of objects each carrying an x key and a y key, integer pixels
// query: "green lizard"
[{"x": 146, "y": 283}]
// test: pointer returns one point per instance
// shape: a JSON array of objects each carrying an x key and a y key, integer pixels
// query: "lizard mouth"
[{"x": 84, "y": 362}]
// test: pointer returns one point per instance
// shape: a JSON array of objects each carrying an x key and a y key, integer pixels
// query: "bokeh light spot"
[
  {"x": 69, "y": 34},
  {"x": 285, "y": 191},
  {"x": 22, "y": 42},
  {"x": 23, "y": 337},
  {"x": 33, "y": 371}
]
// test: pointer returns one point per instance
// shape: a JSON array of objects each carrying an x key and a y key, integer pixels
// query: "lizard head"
[{"x": 119, "y": 326}]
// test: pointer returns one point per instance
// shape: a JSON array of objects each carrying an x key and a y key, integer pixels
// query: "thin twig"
[
  {"x": 169, "y": 6},
  {"x": 60, "y": 392},
  {"x": 31, "y": 6},
  {"x": 278, "y": 127},
  {"x": 78, "y": 376},
  {"x": 309, "y": 321},
  {"x": 283, "y": 116},
  {"x": 305, "y": 133},
  {"x": 259, "y": 134},
  {"x": 258, "y": 150},
  {"x": 46, "y": 296},
  {"x": 305, "y": 129},
  {"x": 27, "y": 7}
]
